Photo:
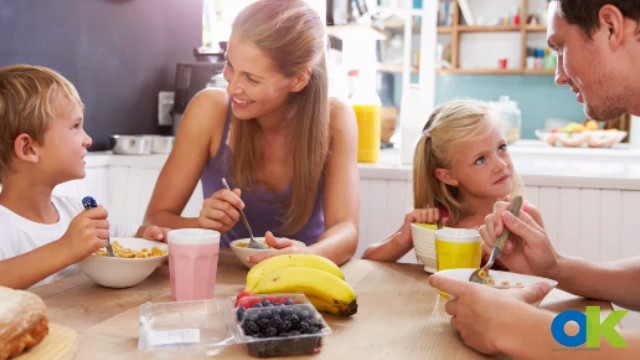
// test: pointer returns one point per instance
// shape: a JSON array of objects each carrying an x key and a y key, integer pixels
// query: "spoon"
[
  {"x": 481, "y": 275},
  {"x": 252, "y": 242},
  {"x": 89, "y": 203}
]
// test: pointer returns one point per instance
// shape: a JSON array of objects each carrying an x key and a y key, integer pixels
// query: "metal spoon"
[
  {"x": 481, "y": 275},
  {"x": 252, "y": 242},
  {"x": 89, "y": 203}
]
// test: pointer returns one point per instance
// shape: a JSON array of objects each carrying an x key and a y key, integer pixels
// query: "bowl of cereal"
[
  {"x": 501, "y": 279},
  {"x": 135, "y": 260},
  {"x": 241, "y": 249}
]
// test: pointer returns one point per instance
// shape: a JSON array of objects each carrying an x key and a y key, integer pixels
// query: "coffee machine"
[{"x": 192, "y": 77}]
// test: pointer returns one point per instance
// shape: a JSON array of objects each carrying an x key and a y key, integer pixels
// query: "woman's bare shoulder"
[{"x": 341, "y": 115}]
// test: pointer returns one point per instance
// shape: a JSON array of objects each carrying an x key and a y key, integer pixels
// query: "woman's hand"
[
  {"x": 528, "y": 249},
  {"x": 280, "y": 245},
  {"x": 155, "y": 233},
  {"x": 220, "y": 211}
]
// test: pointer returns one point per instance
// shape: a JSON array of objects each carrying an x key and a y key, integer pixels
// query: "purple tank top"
[{"x": 262, "y": 207}]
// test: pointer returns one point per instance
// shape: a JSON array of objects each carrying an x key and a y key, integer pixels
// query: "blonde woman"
[
  {"x": 287, "y": 149},
  {"x": 461, "y": 167}
]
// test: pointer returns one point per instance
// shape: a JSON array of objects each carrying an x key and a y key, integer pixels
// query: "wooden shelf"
[
  {"x": 445, "y": 29},
  {"x": 480, "y": 71},
  {"x": 395, "y": 68},
  {"x": 493, "y": 28},
  {"x": 534, "y": 28}
]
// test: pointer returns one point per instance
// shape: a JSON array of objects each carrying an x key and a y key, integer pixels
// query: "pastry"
[{"x": 23, "y": 321}]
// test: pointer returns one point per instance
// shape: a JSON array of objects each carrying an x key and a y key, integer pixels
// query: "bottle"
[
  {"x": 413, "y": 116},
  {"x": 368, "y": 108},
  {"x": 511, "y": 116}
]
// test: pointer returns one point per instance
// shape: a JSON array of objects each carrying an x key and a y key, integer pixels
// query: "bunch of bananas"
[{"x": 317, "y": 277}]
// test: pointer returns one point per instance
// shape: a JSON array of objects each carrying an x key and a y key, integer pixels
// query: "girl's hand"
[
  {"x": 220, "y": 211},
  {"x": 280, "y": 246},
  {"x": 425, "y": 215}
]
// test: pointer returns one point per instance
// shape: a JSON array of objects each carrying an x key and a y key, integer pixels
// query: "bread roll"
[{"x": 23, "y": 321}]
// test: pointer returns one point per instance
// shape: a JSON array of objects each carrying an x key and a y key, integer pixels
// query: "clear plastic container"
[{"x": 189, "y": 328}]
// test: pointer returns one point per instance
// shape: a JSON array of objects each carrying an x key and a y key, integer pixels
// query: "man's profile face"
[{"x": 583, "y": 65}]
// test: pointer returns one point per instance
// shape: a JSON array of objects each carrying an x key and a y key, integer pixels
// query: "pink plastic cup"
[{"x": 193, "y": 263}]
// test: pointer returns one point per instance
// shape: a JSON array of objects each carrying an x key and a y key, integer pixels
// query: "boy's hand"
[
  {"x": 153, "y": 232},
  {"x": 86, "y": 233}
]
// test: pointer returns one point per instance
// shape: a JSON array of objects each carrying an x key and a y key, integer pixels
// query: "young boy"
[{"x": 43, "y": 144}]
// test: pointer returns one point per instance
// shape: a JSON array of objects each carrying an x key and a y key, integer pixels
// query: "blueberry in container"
[{"x": 280, "y": 325}]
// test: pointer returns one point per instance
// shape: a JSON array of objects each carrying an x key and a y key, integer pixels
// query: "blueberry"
[
  {"x": 294, "y": 333},
  {"x": 265, "y": 303},
  {"x": 250, "y": 328},
  {"x": 289, "y": 302},
  {"x": 240, "y": 313},
  {"x": 257, "y": 305},
  {"x": 285, "y": 311},
  {"x": 264, "y": 323},
  {"x": 251, "y": 316},
  {"x": 270, "y": 331}
]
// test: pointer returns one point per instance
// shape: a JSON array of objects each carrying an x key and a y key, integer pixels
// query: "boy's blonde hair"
[
  {"x": 292, "y": 34},
  {"x": 450, "y": 123},
  {"x": 31, "y": 97}
]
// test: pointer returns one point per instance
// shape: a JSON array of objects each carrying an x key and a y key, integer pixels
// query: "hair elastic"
[{"x": 427, "y": 133}]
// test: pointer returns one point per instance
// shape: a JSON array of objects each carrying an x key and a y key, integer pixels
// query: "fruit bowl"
[
  {"x": 121, "y": 272},
  {"x": 595, "y": 138}
]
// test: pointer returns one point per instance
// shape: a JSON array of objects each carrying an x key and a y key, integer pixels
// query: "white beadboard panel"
[
  {"x": 532, "y": 194},
  {"x": 589, "y": 224},
  {"x": 611, "y": 226},
  {"x": 549, "y": 205},
  {"x": 569, "y": 229},
  {"x": 631, "y": 224},
  {"x": 364, "y": 238},
  {"x": 374, "y": 230}
]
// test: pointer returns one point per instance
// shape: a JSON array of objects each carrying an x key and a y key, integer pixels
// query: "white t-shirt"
[{"x": 20, "y": 235}]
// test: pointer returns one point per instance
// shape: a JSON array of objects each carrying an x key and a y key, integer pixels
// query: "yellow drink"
[
  {"x": 369, "y": 127},
  {"x": 458, "y": 248}
]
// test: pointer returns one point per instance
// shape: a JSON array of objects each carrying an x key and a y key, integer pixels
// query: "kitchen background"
[
  {"x": 121, "y": 53},
  {"x": 118, "y": 53}
]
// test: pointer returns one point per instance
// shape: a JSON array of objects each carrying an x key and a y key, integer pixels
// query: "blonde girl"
[{"x": 461, "y": 167}]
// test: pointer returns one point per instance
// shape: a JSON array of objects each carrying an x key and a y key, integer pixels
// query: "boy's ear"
[
  {"x": 446, "y": 177},
  {"x": 301, "y": 79},
  {"x": 25, "y": 148}
]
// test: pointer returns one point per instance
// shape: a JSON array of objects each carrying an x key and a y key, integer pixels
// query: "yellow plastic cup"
[{"x": 458, "y": 248}]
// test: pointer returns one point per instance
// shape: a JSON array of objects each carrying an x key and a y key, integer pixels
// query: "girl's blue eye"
[
  {"x": 502, "y": 148},
  {"x": 479, "y": 161}
]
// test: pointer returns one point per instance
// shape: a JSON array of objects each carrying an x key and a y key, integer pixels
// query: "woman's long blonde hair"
[
  {"x": 449, "y": 124},
  {"x": 292, "y": 34}
]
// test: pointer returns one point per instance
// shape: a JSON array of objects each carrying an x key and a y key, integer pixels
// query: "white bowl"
[
  {"x": 243, "y": 252},
  {"x": 514, "y": 279},
  {"x": 424, "y": 243},
  {"x": 117, "y": 272},
  {"x": 605, "y": 138}
]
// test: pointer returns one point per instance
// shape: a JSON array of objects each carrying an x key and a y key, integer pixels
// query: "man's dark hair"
[{"x": 584, "y": 13}]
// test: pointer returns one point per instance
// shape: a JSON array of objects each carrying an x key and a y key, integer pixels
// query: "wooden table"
[{"x": 399, "y": 315}]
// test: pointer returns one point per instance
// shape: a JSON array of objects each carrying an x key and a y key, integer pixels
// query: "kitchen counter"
[
  {"x": 542, "y": 165},
  {"x": 537, "y": 163}
]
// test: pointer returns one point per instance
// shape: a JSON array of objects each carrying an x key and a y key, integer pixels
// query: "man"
[{"x": 598, "y": 46}]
